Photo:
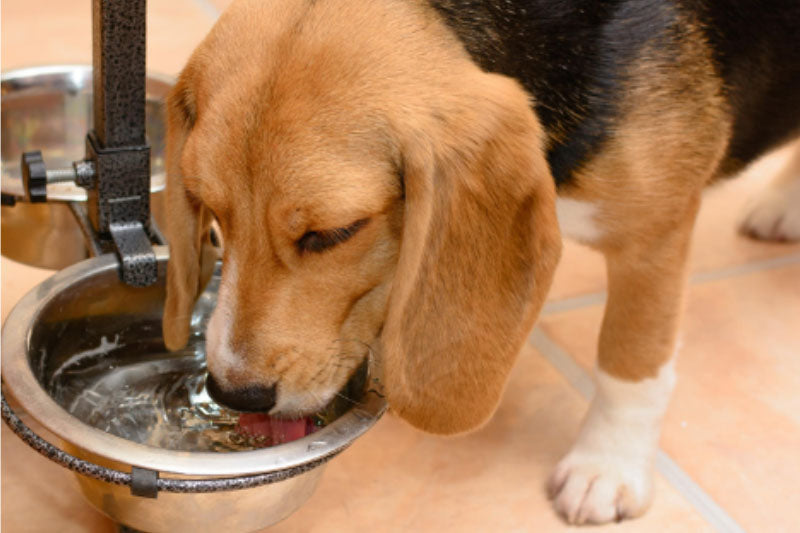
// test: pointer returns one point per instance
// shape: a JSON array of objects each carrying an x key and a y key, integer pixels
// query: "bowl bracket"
[{"x": 116, "y": 168}]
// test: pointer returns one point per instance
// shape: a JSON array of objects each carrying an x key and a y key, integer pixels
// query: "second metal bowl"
[{"x": 49, "y": 108}]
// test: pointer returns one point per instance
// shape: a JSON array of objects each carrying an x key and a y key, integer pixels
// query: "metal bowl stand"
[{"x": 116, "y": 169}]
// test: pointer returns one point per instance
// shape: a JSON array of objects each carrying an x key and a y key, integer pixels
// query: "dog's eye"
[{"x": 318, "y": 241}]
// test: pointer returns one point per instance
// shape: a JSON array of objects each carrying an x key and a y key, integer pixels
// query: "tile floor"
[{"x": 730, "y": 458}]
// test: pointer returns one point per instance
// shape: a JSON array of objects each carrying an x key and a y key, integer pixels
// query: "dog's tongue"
[{"x": 271, "y": 431}]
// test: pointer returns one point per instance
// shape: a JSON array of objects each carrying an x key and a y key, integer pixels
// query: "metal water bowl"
[
  {"x": 49, "y": 108},
  {"x": 232, "y": 491}
]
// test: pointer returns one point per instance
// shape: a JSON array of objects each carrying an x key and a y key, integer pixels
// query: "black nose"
[{"x": 253, "y": 398}]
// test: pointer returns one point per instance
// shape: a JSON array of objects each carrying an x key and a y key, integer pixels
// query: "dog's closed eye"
[{"x": 319, "y": 241}]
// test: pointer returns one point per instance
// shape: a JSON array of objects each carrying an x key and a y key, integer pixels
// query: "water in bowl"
[{"x": 132, "y": 388}]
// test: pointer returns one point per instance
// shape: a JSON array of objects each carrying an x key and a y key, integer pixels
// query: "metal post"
[{"x": 119, "y": 197}]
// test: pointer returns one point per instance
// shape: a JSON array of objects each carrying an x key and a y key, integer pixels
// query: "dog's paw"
[
  {"x": 595, "y": 488},
  {"x": 775, "y": 214},
  {"x": 608, "y": 474}
]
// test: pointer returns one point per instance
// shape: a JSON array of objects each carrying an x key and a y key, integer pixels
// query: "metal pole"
[{"x": 119, "y": 198}]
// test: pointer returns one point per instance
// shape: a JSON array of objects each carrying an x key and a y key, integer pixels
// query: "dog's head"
[{"x": 376, "y": 191}]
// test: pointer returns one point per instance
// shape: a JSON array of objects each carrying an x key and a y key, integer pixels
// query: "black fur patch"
[
  {"x": 573, "y": 56},
  {"x": 756, "y": 47}
]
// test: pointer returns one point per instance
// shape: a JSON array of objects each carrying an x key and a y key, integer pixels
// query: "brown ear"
[
  {"x": 192, "y": 257},
  {"x": 480, "y": 245}
]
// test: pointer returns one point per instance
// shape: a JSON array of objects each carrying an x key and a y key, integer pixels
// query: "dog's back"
[{"x": 577, "y": 57}]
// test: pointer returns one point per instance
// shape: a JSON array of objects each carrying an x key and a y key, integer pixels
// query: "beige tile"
[
  {"x": 397, "y": 479},
  {"x": 174, "y": 28},
  {"x": 734, "y": 423}
]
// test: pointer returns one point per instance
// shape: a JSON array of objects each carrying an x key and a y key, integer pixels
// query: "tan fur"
[
  {"x": 647, "y": 184},
  {"x": 340, "y": 111},
  {"x": 187, "y": 225}
]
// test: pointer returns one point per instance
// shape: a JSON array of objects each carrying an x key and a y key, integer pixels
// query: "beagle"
[{"x": 392, "y": 177}]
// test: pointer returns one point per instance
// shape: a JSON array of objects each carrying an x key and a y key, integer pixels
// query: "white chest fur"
[{"x": 577, "y": 220}]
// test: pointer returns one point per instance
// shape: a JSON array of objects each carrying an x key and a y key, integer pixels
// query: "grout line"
[
  {"x": 695, "y": 495},
  {"x": 209, "y": 8},
  {"x": 563, "y": 362},
  {"x": 744, "y": 269},
  {"x": 597, "y": 298},
  {"x": 580, "y": 380},
  {"x": 573, "y": 302}
]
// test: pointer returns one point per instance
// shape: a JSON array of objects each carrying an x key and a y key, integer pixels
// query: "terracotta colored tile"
[
  {"x": 174, "y": 28},
  {"x": 394, "y": 478},
  {"x": 581, "y": 271},
  {"x": 220, "y": 4},
  {"x": 39, "y": 496},
  {"x": 733, "y": 424},
  {"x": 398, "y": 479},
  {"x": 717, "y": 242},
  {"x": 18, "y": 279},
  {"x": 53, "y": 31}
]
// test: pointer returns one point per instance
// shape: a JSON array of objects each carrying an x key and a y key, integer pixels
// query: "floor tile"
[
  {"x": 38, "y": 496},
  {"x": 398, "y": 479},
  {"x": 18, "y": 279},
  {"x": 219, "y": 4},
  {"x": 733, "y": 424},
  {"x": 174, "y": 28}
]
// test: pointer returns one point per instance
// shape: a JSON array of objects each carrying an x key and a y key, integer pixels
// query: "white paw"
[
  {"x": 775, "y": 214},
  {"x": 597, "y": 488},
  {"x": 608, "y": 474}
]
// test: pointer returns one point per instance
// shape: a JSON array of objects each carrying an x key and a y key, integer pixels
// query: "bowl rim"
[{"x": 19, "y": 380}]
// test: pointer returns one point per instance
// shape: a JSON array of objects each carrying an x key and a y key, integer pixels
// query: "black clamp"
[
  {"x": 34, "y": 177},
  {"x": 144, "y": 482},
  {"x": 119, "y": 207}
]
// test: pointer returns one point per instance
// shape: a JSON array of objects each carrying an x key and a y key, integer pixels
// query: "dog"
[{"x": 392, "y": 179}]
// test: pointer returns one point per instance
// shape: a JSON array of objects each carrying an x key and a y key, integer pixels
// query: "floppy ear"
[
  {"x": 191, "y": 255},
  {"x": 480, "y": 245}
]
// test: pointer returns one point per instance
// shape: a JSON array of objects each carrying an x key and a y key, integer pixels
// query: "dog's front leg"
[{"x": 608, "y": 474}]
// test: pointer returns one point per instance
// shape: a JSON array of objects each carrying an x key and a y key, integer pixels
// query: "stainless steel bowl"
[
  {"x": 87, "y": 301},
  {"x": 49, "y": 108}
]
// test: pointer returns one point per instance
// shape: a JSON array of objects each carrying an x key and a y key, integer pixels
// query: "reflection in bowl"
[{"x": 50, "y": 109}]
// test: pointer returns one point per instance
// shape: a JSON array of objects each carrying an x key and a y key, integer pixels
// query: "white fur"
[
  {"x": 219, "y": 354},
  {"x": 608, "y": 474},
  {"x": 577, "y": 220},
  {"x": 775, "y": 213}
]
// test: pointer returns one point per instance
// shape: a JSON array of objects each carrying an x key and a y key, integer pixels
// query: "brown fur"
[
  {"x": 647, "y": 185},
  {"x": 337, "y": 112}
]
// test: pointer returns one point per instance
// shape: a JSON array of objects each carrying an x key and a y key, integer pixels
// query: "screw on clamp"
[{"x": 36, "y": 177}]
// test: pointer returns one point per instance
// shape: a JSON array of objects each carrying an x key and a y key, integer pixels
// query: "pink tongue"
[{"x": 272, "y": 430}]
